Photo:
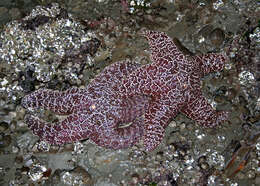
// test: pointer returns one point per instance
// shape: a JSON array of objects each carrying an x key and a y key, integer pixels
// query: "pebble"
[
  {"x": 251, "y": 174},
  {"x": 204, "y": 166},
  {"x": 37, "y": 172},
  {"x": 3, "y": 126},
  {"x": 77, "y": 176},
  {"x": 5, "y": 140},
  {"x": 217, "y": 37}
]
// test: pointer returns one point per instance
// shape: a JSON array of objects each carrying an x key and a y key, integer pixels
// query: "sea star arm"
[
  {"x": 162, "y": 47},
  {"x": 210, "y": 62},
  {"x": 68, "y": 101},
  {"x": 66, "y": 131},
  {"x": 58, "y": 102},
  {"x": 156, "y": 120},
  {"x": 100, "y": 125},
  {"x": 100, "y": 93},
  {"x": 112, "y": 76},
  {"x": 198, "y": 109}
]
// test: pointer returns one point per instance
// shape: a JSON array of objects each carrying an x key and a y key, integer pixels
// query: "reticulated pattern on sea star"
[
  {"x": 172, "y": 80},
  {"x": 146, "y": 97},
  {"x": 95, "y": 112}
]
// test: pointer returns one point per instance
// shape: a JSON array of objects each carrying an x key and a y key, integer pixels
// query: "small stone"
[
  {"x": 20, "y": 112},
  {"x": 173, "y": 124},
  {"x": 77, "y": 176},
  {"x": 135, "y": 178},
  {"x": 19, "y": 159},
  {"x": 182, "y": 153},
  {"x": 21, "y": 124},
  {"x": 171, "y": 138},
  {"x": 159, "y": 156},
  {"x": 3, "y": 126},
  {"x": 183, "y": 126},
  {"x": 202, "y": 159},
  {"x": 217, "y": 37},
  {"x": 5, "y": 140},
  {"x": 15, "y": 149},
  {"x": 171, "y": 147},
  {"x": 29, "y": 162},
  {"x": 37, "y": 172},
  {"x": 251, "y": 174},
  {"x": 204, "y": 166}
]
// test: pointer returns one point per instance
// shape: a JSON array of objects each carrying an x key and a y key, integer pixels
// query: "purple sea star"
[
  {"x": 144, "y": 97},
  {"x": 96, "y": 112}
]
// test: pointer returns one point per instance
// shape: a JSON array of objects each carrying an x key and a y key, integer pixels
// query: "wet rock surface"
[{"x": 62, "y": 45}]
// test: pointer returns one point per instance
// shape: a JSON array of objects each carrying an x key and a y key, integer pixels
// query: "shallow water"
[{"x": 47, "y": 53}]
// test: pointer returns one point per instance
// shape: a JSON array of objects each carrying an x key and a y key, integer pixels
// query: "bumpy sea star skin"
[
  {"x": 124, "y": 92},
  {"x": 96, "y": 112},
  {"x": 173, "y": 82}
]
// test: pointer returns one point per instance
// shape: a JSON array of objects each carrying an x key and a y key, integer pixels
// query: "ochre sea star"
[{"x": 145, "y": 97}]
